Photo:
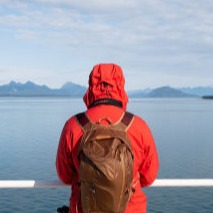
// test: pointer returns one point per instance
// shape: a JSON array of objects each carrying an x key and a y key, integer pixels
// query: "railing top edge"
[{"x": 207, "y": 182}]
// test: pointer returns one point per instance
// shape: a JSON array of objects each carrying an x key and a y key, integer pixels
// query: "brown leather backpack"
[{"x": 106, "y": 165}]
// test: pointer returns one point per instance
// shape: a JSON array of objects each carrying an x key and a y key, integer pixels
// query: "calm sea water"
[{"x": 30, "y": 129}]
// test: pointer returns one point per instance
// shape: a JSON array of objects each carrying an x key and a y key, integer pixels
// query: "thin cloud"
[{"x": 157, "y": 35}]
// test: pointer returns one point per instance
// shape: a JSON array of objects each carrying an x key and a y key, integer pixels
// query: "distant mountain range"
[
  {"x": 169, "y": 92},
  {"x": 75, "y": 90},
  {"x": 31, "y": 89}
]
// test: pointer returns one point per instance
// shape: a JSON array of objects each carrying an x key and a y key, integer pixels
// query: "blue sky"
[{"x": 156, "y": 42}]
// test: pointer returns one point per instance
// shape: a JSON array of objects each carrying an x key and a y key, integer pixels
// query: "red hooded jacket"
[{"x": 106, "y": 81}]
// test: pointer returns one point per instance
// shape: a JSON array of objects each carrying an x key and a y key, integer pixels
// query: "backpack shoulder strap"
[
  {"x": 82, "y": 119},
  {"x": 127, "y": 118},
  {"x": 125, "y": 121}
]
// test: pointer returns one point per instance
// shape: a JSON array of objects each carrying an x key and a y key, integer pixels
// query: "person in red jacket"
[{"x": 106, "y": 97}]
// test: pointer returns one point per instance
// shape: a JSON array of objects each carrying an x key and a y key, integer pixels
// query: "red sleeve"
[
  {"x": 64, "y": 161},
  {"x": 146, "y": 156},
  {"x": 150, "y": 164}
]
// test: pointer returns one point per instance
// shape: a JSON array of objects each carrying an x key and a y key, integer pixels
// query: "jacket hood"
[{"x": 106, "y": 81}]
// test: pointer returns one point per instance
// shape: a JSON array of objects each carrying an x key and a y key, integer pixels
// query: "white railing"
[
  {"x": 57, "y": 183},
  {"x": 183, "y": 183}
]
